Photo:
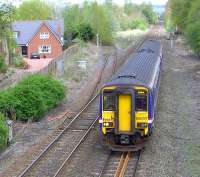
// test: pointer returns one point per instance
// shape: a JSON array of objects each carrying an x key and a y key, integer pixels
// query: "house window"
[
  {"x": 16, "y": 34},
  {"x": 45, "y": 49},
  {"x": 44, "y": 35}
]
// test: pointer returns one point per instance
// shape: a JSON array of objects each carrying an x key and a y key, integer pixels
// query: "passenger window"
[
  {"x": 141, "y": 103},
  {"x": 108, "y": 102}
]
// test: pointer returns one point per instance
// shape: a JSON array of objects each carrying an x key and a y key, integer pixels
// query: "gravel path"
[{"x": 174, "y": 148}]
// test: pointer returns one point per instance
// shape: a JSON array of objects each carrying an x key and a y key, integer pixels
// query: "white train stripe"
[{"x": 150, "y": 121}]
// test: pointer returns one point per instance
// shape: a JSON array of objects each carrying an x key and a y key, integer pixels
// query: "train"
[{"x": 128, "y": 101}]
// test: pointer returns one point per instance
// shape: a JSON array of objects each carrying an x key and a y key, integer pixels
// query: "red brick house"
[{"x": 41, "y": 36}]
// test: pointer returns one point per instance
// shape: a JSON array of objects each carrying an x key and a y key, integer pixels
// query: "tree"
[
  {"x": 147, "y": 10},
  {"x": 192, "y": 31},
  {"x": 7, "y": 13},
  {"x": 91, "y": 18},
  {"x": 179, "y": 13},
  {"x": 35, "y": 10}
]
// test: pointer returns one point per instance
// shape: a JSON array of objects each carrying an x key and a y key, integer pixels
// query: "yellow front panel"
[{"x": 124, "y": 113}]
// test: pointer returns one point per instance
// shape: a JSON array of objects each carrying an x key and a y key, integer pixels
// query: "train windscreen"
[
  {"x": 109, "y": 100},
  {"x": 141, "y": 102}
]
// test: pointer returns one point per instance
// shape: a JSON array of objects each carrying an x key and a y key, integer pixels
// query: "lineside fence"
[{"x": 56, "y": 66}]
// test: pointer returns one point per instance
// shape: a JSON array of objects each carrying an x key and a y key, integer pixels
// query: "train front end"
[{"x": 124, "y": 117}]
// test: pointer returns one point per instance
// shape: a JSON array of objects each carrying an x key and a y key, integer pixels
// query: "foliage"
[
  {"x": 19, "y": 62},
  {"x": 35, "y": 10},
  {"x": 105, "y": 19},
  {"x": 147, "y": 10},
  {"x": 88, "y": 20},
  {"x": 135, "y": 20},
  {"x": 31, "y": 98},
  {"x": 7, "y": 14},
  {"x": 101, "y": 22},
  {"x": 184, "y": 16},
  {"x": 3, "y": 67},
  {"x": 192, "y": 31},
  {"x": 3, "y": 132},
  {"x": 85, "y": 32},
  {"x": 179, "y": 12}
]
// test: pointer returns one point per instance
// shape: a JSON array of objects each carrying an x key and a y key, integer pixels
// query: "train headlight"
[
  {"x": 107, "y": 124},
  {"x": 142, "y": 125}
]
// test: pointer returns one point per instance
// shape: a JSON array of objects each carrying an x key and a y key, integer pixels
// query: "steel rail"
[
  {"x": 123, "y": 163},
  {"x": 137, "y": 162},
  {"x": 105, "y": 163},
  {"x": 27, "y": 169},
  {"x": 76, "y": 147}
]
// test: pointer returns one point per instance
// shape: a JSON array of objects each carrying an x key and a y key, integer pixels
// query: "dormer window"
[{"x": 44, "y": 35}]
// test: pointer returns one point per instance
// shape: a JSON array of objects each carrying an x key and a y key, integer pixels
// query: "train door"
[{"x": 124, "y": 113}]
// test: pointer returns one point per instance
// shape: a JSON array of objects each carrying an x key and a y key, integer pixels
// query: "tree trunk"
[{"x": 6, "y": 51}]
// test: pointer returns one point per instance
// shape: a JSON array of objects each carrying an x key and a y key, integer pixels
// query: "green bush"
[
  {"x": 138, "y": 24},
  {"x": 19, "y": 62},
  {"x": 85, "y": 32},
  {"x": 50, "y": 90},
  {"x": 3, "y": 67},
  {"x": 3, "y": 132},
  {"x": 31, "y": 98}
]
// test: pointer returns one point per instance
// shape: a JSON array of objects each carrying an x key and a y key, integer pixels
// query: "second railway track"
[{"x": 65, "y": 143}]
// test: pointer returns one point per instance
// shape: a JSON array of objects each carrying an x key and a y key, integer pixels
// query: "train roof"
[{"x": 141, "y": 67}]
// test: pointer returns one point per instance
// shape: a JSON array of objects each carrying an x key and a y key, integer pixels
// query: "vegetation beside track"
[
  {"x": 183, "y": 17},
  {"x": 3, "y": 132},
  {"x": 31, "y": 98}
]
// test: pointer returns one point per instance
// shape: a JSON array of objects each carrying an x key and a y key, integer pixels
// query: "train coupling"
[{"x": 124, "y": 139}]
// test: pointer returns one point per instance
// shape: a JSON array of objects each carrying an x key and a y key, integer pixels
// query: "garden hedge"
[{"x": 31, "y": 98}]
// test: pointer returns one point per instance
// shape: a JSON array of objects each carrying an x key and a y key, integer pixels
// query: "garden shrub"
[
  {"x": 3, "y": 132},
  {"x": 85, "y": 32},
  {"x": 50, "y": 90},
  {"x": 31, "y": 98},
  {"x": 20, "y": 63}
]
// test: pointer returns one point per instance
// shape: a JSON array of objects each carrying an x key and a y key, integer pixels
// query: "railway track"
[
  {"x": 65, "y": 143},
  {"x": 122, "y": 164}
]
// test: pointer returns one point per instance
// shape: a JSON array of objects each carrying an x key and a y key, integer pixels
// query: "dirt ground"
[{"x": 174, "y": 148}]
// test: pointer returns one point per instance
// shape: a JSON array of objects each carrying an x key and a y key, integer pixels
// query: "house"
[{"x": 42, "y": 36}]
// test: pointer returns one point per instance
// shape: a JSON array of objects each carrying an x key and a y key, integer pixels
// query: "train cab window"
[
  {"x": 109, "y": 102},
  {"x": 141, "y": 102}
]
